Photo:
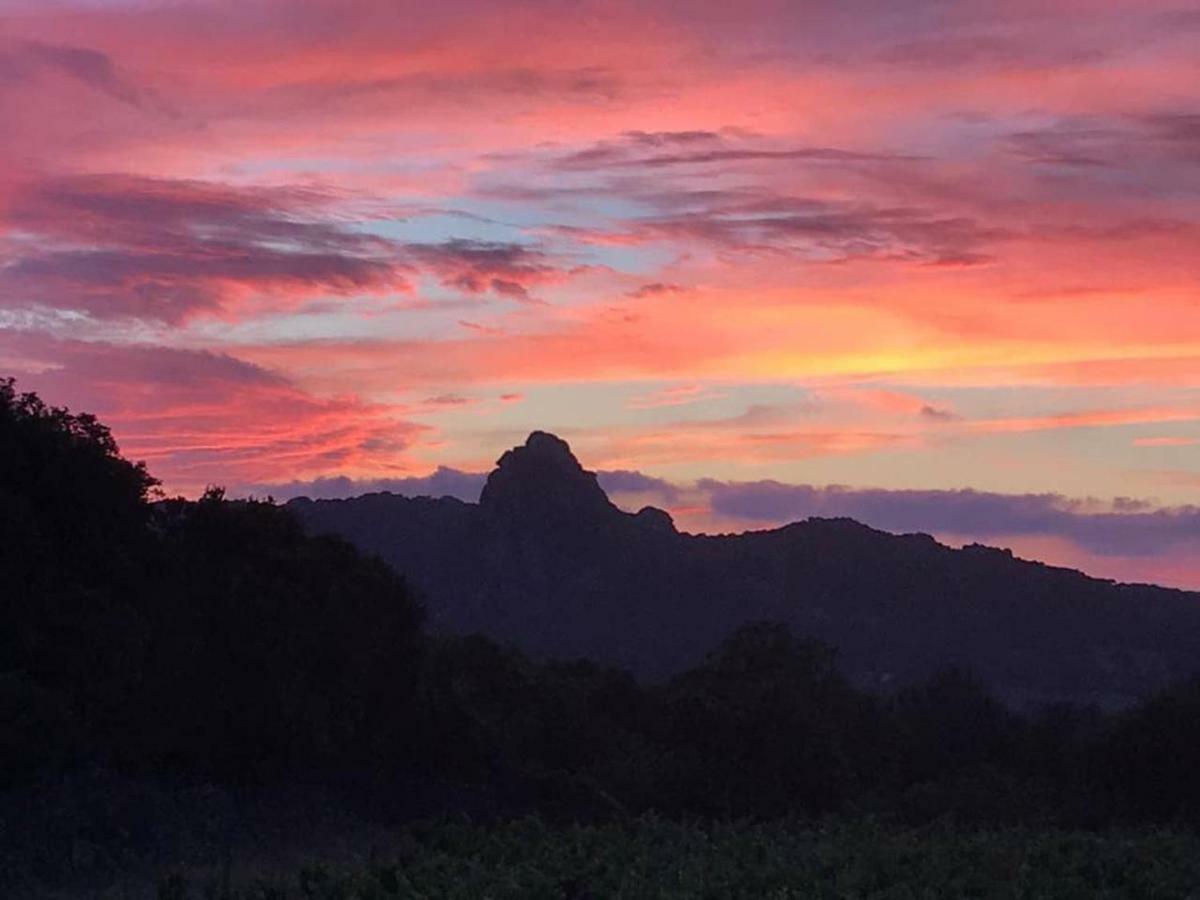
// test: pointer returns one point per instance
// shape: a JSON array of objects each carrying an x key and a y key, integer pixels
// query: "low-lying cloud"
[
  {"x": 442, "y": 482},
  {"x": 1123, "y": 527}
]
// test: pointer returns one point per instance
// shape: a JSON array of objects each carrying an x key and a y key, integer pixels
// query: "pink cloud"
[
  {"x": 125, "y": 246},
  {"x": 113, "y": 246},
  {"x": 682, "y": 395}
]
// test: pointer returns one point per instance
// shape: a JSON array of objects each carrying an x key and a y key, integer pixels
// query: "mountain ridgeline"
[{"x": 547, "y": 562}]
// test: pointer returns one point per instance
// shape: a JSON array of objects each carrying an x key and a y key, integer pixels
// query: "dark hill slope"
[{"x": 546, "y": 561}]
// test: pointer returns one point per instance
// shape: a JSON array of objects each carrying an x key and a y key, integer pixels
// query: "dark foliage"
[
  {"x": 213, "y": 638},
  {"x": 1149, "y": 757},
  {"x": 73, "y": 520},
  {"x": 282, "y": 652},
  {"x": 764, "y": 726}
]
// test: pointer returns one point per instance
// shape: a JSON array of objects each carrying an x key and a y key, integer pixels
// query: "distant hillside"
[{"x": 546, "y": 561}]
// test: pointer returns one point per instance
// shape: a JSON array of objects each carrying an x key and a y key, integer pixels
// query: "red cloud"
[{"x": 198, "y": 417}]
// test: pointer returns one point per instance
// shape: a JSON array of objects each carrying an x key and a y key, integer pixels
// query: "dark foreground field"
[{"x": 649, "y": 857}]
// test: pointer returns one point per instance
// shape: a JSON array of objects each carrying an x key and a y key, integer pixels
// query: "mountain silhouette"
[
  {"x": 543, "y": 480},
  {"x": 546, "y": 561}
]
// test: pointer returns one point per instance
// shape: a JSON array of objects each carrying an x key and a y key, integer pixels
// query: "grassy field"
[{"x": 649, "y": 858}]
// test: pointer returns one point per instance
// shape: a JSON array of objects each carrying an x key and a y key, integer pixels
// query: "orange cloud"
[{"x": 1089, "y": 419}]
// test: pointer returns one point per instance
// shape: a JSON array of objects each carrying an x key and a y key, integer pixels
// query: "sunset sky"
[{"x": 935, "y": 265}]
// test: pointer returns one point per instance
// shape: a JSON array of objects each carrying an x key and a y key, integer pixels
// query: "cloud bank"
[{"x": 1120, "y": 528}]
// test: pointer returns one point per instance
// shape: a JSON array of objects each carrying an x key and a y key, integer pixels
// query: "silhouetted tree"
[
  {"x": 213, "y": 636},
  {"x": 1148, "y": 761},
  {"x": 73, "y": 517},
  {"x": 761, "y": 728},
  {"x": 274, "y": 649},
  {"x": 949, "y": 723}
]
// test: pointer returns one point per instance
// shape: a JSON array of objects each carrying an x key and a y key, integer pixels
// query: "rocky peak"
[
  {"x": 543, "y": 480},
  {"x": 655, "y": 519}
]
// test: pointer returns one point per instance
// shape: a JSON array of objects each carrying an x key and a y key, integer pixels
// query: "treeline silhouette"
[{"x": 215, "y": 641}]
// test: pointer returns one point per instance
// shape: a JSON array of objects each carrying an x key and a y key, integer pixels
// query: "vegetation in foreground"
[{"x": 650, "y": 858}]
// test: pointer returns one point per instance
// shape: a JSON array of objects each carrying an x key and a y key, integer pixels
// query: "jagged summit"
[{"x": 543, "y": 478}]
